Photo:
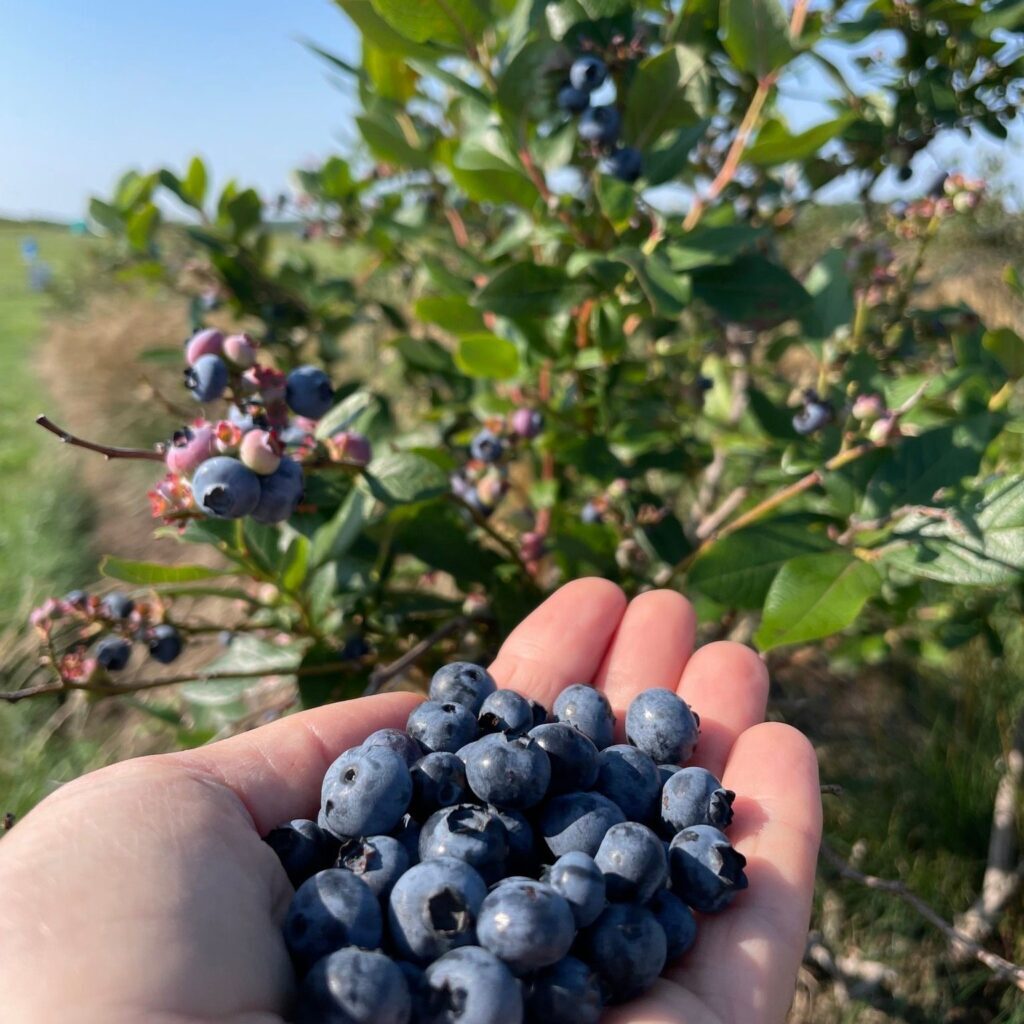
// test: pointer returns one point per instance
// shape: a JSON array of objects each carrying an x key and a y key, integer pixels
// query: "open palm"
[{"x": 143, "y": 892}]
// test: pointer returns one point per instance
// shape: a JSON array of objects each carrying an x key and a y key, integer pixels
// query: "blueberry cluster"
[
  {"x": 249, "y": 463},
  {"x": 599, "y": 125},
  {"x": 483, "y": 481},
  {"x": 117, "y": 621},
  {"x": 492, "y": 863}
]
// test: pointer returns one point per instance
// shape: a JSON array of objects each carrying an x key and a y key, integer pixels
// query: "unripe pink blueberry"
[
  {"x": 351, "y": 446},
  {"x": 531, "y": 546},
  {"x": 209, "y": 342},
  {"x": 868, "y": 407},
  {"x": 527, "y": 423},
  {"x": 189, "y": 448},
  {"x": 240, "y": 349},
  {"x": 884, "y": 430},
  {"x": 260, "y": 450}
]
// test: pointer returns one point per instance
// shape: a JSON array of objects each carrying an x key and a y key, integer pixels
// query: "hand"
[{"x": 142, "y": 892}]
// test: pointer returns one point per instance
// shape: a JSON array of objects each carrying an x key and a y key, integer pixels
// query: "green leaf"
[
  {"x": 193, "y": 186},
  {"x": 751, "y": 290},
  {"x": 756, "y": 35},
  {"x": 244, "y": 210},
  {"x": 389, "y": 72},
  {"x": 667, "y": 292},
  {"x": 452, "y": 313},
  {"x": 140, "y": 226},
  {"x": 373, "y": 27},
  {"x": 246, "y": 654},
  {"x": 521, "y": 80},
  {"x": 1007, "y": 348},
  {"x": 394, "y": 142},
  {"x": 339, "y": 533},
  {"x": 712, "y": 246},
  {"x": 295, "y": 563},
  {"x": 668, "y": 90},
  {"x": 425, "y": 355},
  {"x": 106, "y": 216},
  {"x": 981, "y": 545},
  {"x": 920, "y": 466},
  {"x": 352, "y": 413},
  {"x": 617, "y": 201},
  {"x": 831, "y": 296},
  {"x": 671, "y": 154},
  {"x": 148, "y": 573},
  {"x": 813, "y": 596},
  {"x": 528, "y": 290},
  {"x": 402, "y": 477},
  {"x": 775, "y": 145},
  {"x": 738, "y": 569},
  {"x": 435, "y": 21},
  {"x": 486, "y": 355}
]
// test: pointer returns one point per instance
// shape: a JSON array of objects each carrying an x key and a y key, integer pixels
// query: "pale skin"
[{"x": 143, "y": 892}]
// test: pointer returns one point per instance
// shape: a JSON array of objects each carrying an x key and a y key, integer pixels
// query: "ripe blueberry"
[
  {"x": 572, "y": 755},
  {"x": 113, "y": 653},
  {"x": 438, "y": 780},
  {"x": 627, "y": 948},
  {"x": 462, "y": 682},
  {"x": 508, "y": 772},
  {"x": 432, "y": 909},
  {"x": 676, "y": 920},
  {"x": 486, "y": 446},
  {"x": 117, "y": 605},
  {"x": 397, "y": 740},
  {"x": 625, "y": 164},
  {"x": 572, "y": 100},
  {"x": 630, "y": 778},
  {"x": 581, "y": 882},
  {"x": 303, "y": 848},
  {"x": 693, "y": 796},
  {"x": 470, "y": 833},
  {"x": 577, "y": 821},
  {"x": 165, "y": 643},
  {"x": 280, "y": 493},
  {"x": 662, "y": 725},
  {"x": 706, "y": 871},
  {"x": 207, "y": 378},
  {"x": 566, "y": 991},
  {"x": 588, "y": 73},
  {"x": 588, "y": 710},
  {"x": 225, "y": 489},
  {"x": 600, "y": 125},
  {"x": 378, "y": 860},
  {"x": 472, "y": 985},
  {"x": 505, "y": 711},
  {"x": 354, "y": 986},
  {"x": 527, "y": 924},
  {"x": 308, "y": 392},
  {"x": 332, "y": 909},
  {"x": 365, "y": 792},
  {"x": 633, "y": 860},
  {"x": 814, "y": 415}
]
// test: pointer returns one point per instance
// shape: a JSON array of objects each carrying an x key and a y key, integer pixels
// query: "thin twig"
[
  {"x": 1004, "y": 969},
  {"x": 385, "y": 673},
  {"x": 106, "y": 450},
  {"x": 714, "y": 520}
]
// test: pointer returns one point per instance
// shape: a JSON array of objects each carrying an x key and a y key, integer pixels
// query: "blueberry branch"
[
  {"x": 384, "y": 673},
  {"x": 107, "y": 451},
  {"x": 1004, "y": 969}
]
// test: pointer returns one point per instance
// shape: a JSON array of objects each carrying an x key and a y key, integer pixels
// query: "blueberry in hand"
[
  {"x": 117, "y": 605},
  {"x": 633, "y": 861},
  {"x": 526, "y": 924},
  {"x": 628, "y": 776},
  {"x": 280, "y": 493},
  {"x": 506, "y": 711},
  {"x": 407, "y": 832},
  {"x": 432, "y": 909},
  {"x": 308, "y": 392},
  {"x": 365, "y": 792},
  {"x": 164, "y": 643},
  {"x": 577, "y": 821},
  {"x": 625, "y": 163},
  {"x": 588, "y": 73},
  {"x": 354, "y": 986},
  {"x": 113, "y": 653},
  {"x": 472, "y": 986},
  {"x": 207, "y": 378},
  {"x": 397, "y": 740},
  {"x": 600, "y": 125},
  {"x": 508, "y": 772},
  {"x": 693, "y": 796},
  {"x": 576, "y": 876},
  {"x": 332, "y": 909},
  {"x": 627, "y": 948},
  {"x": 661, "y": 724},
  {"x": 437, "y": 726},
  {"x": 471, "y": 833},
  {"x": 225, "y": 489},
  {"x": 573, "y": 757},
  {"x": 706, "y": 871},
  {"x": 588, "y": 710},
  {"x": 486, "y": 446},
  {"x": 522, "y": 843},
  {"x": 438, "y": 780},
  {"x": 378, "y": 860},
  {"x": 666, "y": 771},
  {"x": 303, "y": 848},
  {"x": 462, "y": 682},
  {"x": 676, "y": 920},
  {"x": 572, "y": 100},
  {"x": 566, "y": 991}
]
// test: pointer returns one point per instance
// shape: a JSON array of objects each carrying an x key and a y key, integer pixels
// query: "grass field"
[{"x": 45, "y": 514}]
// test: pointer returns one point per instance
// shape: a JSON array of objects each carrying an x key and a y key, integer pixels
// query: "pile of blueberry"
[
  {"x": 598, "y": 125},
  {"x": 250, "y": 463},
  {"x": 491, "y": 864},
  {"x": 118, "y": 621}
]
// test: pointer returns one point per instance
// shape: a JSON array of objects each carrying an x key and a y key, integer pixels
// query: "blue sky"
[{"x": 90, "y": 90}]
